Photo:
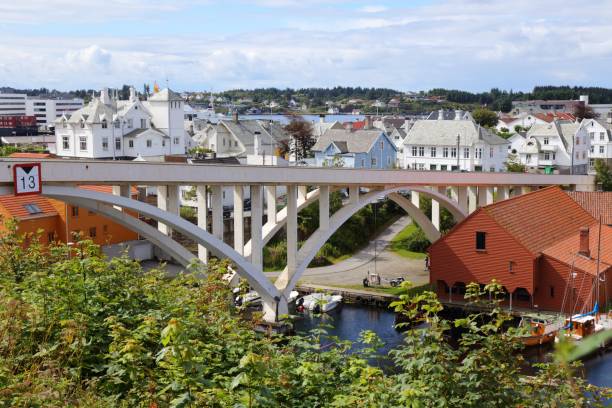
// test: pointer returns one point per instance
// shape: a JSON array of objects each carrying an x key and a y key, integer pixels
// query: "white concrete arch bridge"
[{"x": 460, "y": 193}]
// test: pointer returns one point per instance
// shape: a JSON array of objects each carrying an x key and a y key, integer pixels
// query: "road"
[{"x": 352, "y": 271}]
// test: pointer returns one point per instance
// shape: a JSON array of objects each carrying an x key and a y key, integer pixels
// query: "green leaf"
[{"x": 590, "y": 344}]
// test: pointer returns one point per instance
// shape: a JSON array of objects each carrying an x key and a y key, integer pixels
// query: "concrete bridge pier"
[{"x": 201, "y": 199}]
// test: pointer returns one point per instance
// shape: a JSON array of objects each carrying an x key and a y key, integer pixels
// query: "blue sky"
[{"x": 211, "y": 44}]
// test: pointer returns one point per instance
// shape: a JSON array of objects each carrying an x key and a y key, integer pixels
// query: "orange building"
[
  {"x": 60, "y": 221},
  {"x": 542, "y": 247}
]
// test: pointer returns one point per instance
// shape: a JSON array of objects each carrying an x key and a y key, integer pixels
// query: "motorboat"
[
  {"x": 253, "y": 299},
  {"x": 319, "y": 302},
  {"x": 539, "y": 331}
]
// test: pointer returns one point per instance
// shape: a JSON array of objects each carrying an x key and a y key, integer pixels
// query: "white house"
[
  {"x": 453, "y": 144},
  {"x": 107, "y": 128},
  {"x": 600, "y": 141},
  {"x": 555, "y": 147}
]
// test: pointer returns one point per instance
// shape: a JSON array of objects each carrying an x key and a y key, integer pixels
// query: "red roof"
[
  {"x": 566, "y": 250},
  {"x": 356, "y": 125},
  {"x": 549, "y": 117},
  {"x": 15, "y": 206},
  {"x": 598, "y": 204},
  {"x": 26, "y": 155},
  {"x": 539, "y": 219}
]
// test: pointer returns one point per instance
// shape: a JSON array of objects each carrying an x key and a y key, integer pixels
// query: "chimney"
[
  {"x": 368, "y": 122},
  {"x": 235, "y": 115},
  {"x": 441, "y": 114},
  {"x": 132, "y": 94},
  {"x": 458, "y": 114},
  {"x": 584, "y": 242},
  {"x": 105, "y": 96},
  {"x": 256, "y": 143},
  {"x": 322, "y": 118}
]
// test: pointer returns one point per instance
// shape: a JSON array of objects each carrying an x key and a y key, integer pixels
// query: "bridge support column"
[
  {"x": 239, "y": 219},
  {"x": 256, "y": 226},
  {"x": 461, "y": 196},
  {"x": 292, "y": 229},
  {"x": 167, "y": 200},
  {"x": 271, "y": 203},
  {"x": 216, "y": 203},
  {"x": 302, "y": 193},
  {"x": 353, "y": 194},
  {"x": 122, "y": 190},
  {"x": 202, "y": 219},
  {"x": 503, "y": 193},
  {"x": 435, "y": 208},
  {"x": 472, "y": 192},
  {"x": 415, "y": 198},
  {"x": 324, "y": 207},
  {"x": 273, "y": 308}
]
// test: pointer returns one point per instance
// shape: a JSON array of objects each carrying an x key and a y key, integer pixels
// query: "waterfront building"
[
  {"x": 124, "y": 129},
  {"x": 528, "y": 244},
  {"x": 12, "y": 104},
  {"x": 600, "y": 141},
  {"x": 365, "y": 148},
  {"x": 550, "y": 106},
  {"x": 451, "y": 140},
  {"x": 47, "y": 110}
]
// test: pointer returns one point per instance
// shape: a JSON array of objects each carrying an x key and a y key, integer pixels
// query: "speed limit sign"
[{"x": 27, "y": 178}]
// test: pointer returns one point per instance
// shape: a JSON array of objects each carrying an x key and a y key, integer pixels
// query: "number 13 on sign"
[{"x": 27, "y": 178}]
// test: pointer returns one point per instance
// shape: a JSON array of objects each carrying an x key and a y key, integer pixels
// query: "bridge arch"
[
  {"x": 102, "y": 202},
  {"x": 313, "y": 244}
]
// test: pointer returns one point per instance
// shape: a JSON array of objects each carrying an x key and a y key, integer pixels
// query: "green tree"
[
  {"x": 485, "y": 117},
  {"x": 302, "y": 139},
  {"x": 514, "y": 165},
  {"x": 603, "y": 174}
]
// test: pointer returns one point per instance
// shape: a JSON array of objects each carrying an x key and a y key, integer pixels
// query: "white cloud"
[
  {"x": 373, "y": 9},
  {"x": 90, "y": 57}
]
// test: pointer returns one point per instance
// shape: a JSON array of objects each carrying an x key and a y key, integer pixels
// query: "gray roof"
[
  {"x": 93, "y": 112},
  {"x": 449, "y": 115},
  {"x": 138, "y": 132},
  {"x": 360, "y": 141},
  {"x": 444, "y": 133},
  {"x": 244, "y": 130}
]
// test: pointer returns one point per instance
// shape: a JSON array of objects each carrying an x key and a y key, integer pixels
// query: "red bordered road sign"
[{"x": 27, "y": 178}]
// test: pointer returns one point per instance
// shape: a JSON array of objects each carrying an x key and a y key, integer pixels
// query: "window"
[
  {"x": 433, "y": 152},
  {"x": 163, "y": 143},
  {"x": 224, "y": 142},
  {"x": 143, "y": 123},
  {"x": 362, "y": 162},
  {"x": 453, "y": 152},
  {"x": 32, "y": 208},
  {"x": 552, "y": 291},
  {"x": 481, "y": 241},
  {"x": 432, "y": 167},
  {"x": 466, "y": 152},
  {"x": 104, "y": 124},
  {"x": 130, "y": 123},
  {"x": 421, "y": 166},
  {"x": 117, "y": 124},
  {"x": 583, "y": 155},
  {"x": 131, "y": 143},
  {"x": 65, "y": 143},
  {"x": 83, "y": 142},
  {"x": 492, "y": 169},
  {"x": 373, "y": 161},
  {"x": 421, "y": 151},
  {"x": 414, "y": 150},
  {"x": 592, "y": 134},
  {"x": 528, "y": 157},
  {"x": 382, "y": 144},
  {"x": 577, "y": 140},
  {"x": 105, "y": 143},
  {"x": 443, "y": 167},
  {"x": 445, "y": 152},
  {"x": 117, "y": 143},
  {"x": 602, "y": 136},
  {"x": 92, "y": 232},
  {"x": 592, "y": 149},
  {"x": 82, "y": 124},
  {"x": 491, "y": 152},
  {"x": 64, "y": 124},
  {"x": 388, "y": 161},
  {"x": 149, "y": 143},
  {"x": 177, "y": 140},
  {"x": 51, "y": 237},
  {"x": 554, "y": 156},
  {"x": 511, "y": 267},
  {"x": 601, "y": 149},
  {"x": 546, "y": 156},
  {"x": 546, "y": 140},
  {"x": 75, "y": 211}
]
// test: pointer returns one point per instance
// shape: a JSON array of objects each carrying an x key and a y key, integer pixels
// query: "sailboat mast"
[{"x": 597, "y": 273}]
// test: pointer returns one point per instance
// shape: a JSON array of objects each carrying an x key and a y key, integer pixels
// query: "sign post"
[{"x": 27, "y": 179}]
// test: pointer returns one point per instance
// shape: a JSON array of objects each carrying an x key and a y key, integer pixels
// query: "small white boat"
[
  {"x": 293, "y": 296},
  {"x": 252, "y": 298},
  {"x": 320, "y": 302}
]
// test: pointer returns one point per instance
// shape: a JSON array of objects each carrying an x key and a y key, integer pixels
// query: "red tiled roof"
[
  {"x": 356, "y": 125},
  {"x": 541, "y": 218},
  {"x": 598, "y": 203},
  {"x": 15, "y": 206},
  {"x": 549, "y": 117},
  {"x": 566, "y": 250},
  {"x": 26, "y": 155}
]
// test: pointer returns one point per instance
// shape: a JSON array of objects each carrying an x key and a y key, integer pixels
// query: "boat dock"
[{"x": 364, "y": 297}]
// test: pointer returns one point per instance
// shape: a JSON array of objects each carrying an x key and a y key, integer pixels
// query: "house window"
[
  {"x": 491, "y": 152},
  {"x": 143, "y": 123},
  {"x": 528, "y": 157},
  {"x": 117, "y": 124},
  {"x": 511, "y": 266},
  {"x": 421, "y": 151},
  {"x": 65, "y": 143},
  {"x": 164, "y": 143},
  {"x": 466, "y": 152},
  {"x": 176, "y": 141},
  {"x": 75, "y": 211},
  {"x": 433, "y": 152},
  {"x": 577, "y": 140},
  {"x": 32, "y": 208},
  {"x": 554, "y": 156},
  {"x": 82, "y": 124},
  {"x": 546, "y": 156},
  {"x": 546, "y": 140},
  {"x": 362, "y": 162},
  {"x": 445, "y": 152},
  {"x": 382, "y": 144},
  {"x": 235, "y": 143},
  {"x": 388, "y": 161},
  {"x": 481, "y": 240},
  {"x": 131, "y": 143},
  {"x": 601, "y": 149},
  {"x": 51, "y": 237},
  {"x": 421, "y": 166},
  {"x": 373, "y": 161},
  {"x": 414, "y": 150},
  {"x": 104, "y": 124},
  {"x": 601, "y": 136},
  {"x": 443, "y": 167},
  {"x": 83, "y": 142},
  {"x": 130, "y": 123},
  {"x": 92, "y": 232},
  {"x": 592, "y": 149},
  {"x": 105, "y": 143},
  {"x": 149, "y": 143},
  {"x": 117, "y": 143},
  {"x": 552, "y": 291},
  {"x": 223, "y": 142},
  {"x": 453, "y": 152}
]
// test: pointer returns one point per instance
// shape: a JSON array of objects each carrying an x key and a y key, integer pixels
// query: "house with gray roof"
[
  {"x": 453, "y": 144},
  {"x": 366, "y": 148}
]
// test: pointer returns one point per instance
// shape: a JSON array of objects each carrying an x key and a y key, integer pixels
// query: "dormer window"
[
  {"x": 104, "y": 124},
  {"x": 546, "y": 140},
  {"x": 82, "y": 124}
]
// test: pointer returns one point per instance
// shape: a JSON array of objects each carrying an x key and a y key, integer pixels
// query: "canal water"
[{"x": 348, "y": 321}]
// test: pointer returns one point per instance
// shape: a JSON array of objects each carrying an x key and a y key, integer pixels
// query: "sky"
[{"x": 203, "y": 45}]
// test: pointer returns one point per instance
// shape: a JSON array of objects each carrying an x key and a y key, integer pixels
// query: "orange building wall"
[
  {"x": 454, "y": 258},
  {"x": 48, "y": 224}
]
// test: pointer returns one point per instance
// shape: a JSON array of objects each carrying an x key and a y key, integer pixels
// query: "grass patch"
[
  {"x": 388, "y": 290},
  {"x": 398, "y": 243}
]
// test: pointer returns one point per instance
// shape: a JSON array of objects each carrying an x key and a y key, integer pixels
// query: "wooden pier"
[{"x": 364, "y": 297}]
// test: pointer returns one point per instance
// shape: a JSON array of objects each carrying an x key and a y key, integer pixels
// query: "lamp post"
[{"x": 458, "y": 160}]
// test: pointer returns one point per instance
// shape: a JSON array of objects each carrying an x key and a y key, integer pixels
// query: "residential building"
[
  {"x": 560, "y": 147},
  {"x": 124, "y": 129},
  {"x": 12, "y": 104},
  {"x": 451, "y": 141},
  {"x": 367, "y": 148},
  {"x": 527, "y": 120},
  {"x": 599, "y": 133},
  {"x": 47, "y": 110},
  {"x": 61, "y": 222},
  {"x": 544, "y": 106},
  {"x": 541, "y": 247}
]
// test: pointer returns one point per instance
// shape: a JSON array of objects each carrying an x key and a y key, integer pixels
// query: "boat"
[
  {"x": 540, "y": 332},
  {"x": 253, "y": 299},
  {"x": 319, "y": 302}
]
